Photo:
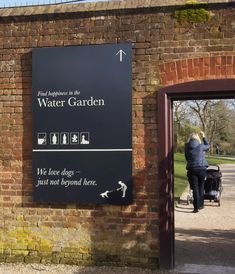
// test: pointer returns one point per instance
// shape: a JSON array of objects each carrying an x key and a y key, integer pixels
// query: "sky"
[{"x": 13, "y": 3}]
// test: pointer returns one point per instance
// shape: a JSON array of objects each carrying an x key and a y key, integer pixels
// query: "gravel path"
[
  {"x": 66, "y": 269},
  {"x": 208, "y": 237}
]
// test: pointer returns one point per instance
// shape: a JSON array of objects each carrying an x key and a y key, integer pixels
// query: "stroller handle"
[{"x": 212, "y": 167}]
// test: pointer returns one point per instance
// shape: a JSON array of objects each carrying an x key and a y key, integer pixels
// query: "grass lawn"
[{"x": 180, "y": 178}]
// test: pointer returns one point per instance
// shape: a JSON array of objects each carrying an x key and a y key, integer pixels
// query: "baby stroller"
[
  {"x": 213, "y": 184},
  {"x": 212, "y": 187}
]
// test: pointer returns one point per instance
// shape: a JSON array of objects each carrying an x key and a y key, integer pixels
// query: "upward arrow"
[{"x": 120, "y": 52}]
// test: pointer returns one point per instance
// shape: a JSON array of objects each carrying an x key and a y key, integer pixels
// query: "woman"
[{"x": 196, "y": 166}]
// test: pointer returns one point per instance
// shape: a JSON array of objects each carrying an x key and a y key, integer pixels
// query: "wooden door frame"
[{"x": 204, "y": 89}]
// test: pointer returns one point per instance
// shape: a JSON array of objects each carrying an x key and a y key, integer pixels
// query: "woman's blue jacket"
[{"x": 194, "y": 154}]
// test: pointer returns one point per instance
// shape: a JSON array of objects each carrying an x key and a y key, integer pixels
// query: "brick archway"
[
  {"x": 203, "y": 68},
  {"x": 199, "y": 78}
]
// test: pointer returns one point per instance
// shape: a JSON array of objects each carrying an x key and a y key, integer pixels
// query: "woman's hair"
[{"x": 194, "y": 136}]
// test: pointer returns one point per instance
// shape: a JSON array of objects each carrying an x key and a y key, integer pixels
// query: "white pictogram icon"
[
  {"x": 122, "y": 189},
  {"x": 64, "y": 138},
  {"x": 85, "y": 138},
  {"x": 54, "y": 138},
  {"x": 42, "y": 138},
  {"x": 74, "y": 138}
]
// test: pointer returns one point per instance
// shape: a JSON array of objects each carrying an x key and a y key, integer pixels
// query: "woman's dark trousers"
[{"x": 196, "y": 179}]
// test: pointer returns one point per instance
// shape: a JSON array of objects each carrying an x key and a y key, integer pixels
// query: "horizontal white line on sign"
[{"x": 80, "y": 150}]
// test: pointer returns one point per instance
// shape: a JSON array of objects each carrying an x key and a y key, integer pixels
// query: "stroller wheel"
[{"x": 219, "y": 202}]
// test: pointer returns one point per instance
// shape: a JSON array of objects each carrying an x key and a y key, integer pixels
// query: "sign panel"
[{"x": 82, "y": 130}]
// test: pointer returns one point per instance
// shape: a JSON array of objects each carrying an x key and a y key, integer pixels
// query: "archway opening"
[{"x": 199, "y": 236}]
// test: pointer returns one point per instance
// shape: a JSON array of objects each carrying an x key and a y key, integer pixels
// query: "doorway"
[{"x": 205, "y": 89}]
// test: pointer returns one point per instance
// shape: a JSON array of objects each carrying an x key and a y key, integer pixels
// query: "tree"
[
  {"x": 214, "y": 117},
  {"x": 182, "y": 125}
]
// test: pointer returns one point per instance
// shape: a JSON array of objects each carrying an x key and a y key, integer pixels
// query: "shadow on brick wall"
[
  {"x": 27, "y": 146},
  {"x": 26, "y": 78},
  {"x": 129, "y": 234}
]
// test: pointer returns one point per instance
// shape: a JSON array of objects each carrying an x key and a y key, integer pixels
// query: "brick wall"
[{"x": 164, "y": 53}]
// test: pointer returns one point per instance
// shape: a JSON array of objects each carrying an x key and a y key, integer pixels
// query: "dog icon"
[{"x": 105, "y": 194}]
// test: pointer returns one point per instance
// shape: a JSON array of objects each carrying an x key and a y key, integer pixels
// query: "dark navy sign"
[{"x": 82, "y": 141}]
